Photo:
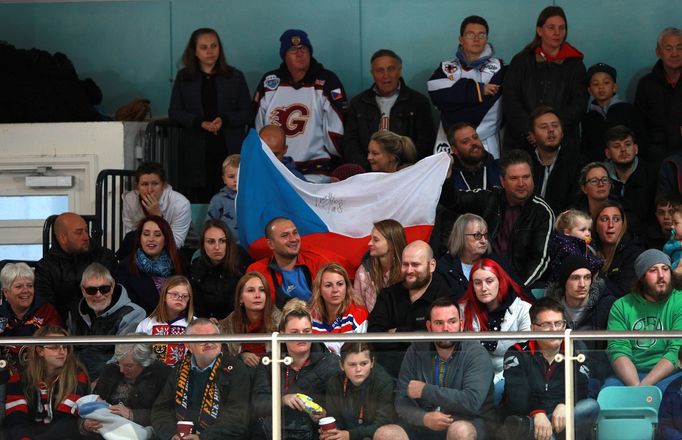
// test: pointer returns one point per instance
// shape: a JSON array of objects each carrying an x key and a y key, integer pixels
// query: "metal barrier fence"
[{"x": 276, "y": 339}]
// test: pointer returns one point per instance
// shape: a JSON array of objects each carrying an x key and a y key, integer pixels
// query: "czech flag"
[{"x": 334, "y": 216}]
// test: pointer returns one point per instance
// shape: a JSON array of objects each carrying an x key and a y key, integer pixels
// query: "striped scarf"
[{"x": 210, "y": 399}]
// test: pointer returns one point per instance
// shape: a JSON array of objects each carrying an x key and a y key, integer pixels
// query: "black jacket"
[
  {"x": 594, "y": 126},
  {"x": 637, "y": 195},
  {"x": 529, "y": 81},
  {"x": 374, "y": 396},
  {"x": 58, "y": 274},
  {"x": 530, "y": 235},
  {"x": 562, "y": 184},
  {"x": 310, "y": 380},
  {"x": 530, "y": 386},
  {"x": 660, "y": 105},
  {"x": 233, "y": 384},
  {"x": 212, "y": 290},
  {"x": 410, "y": 116},
  {"x": 145, "y": 388}
]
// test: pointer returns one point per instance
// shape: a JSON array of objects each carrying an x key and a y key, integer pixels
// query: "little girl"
[
  {"x": 360, "y": 396},
  {"x": 572, "y": 235},
  {"x": 673, "y": 247},
  {"x": 170, "y": 317}
]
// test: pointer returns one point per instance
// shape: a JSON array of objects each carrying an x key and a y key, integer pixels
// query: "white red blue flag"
[{"x": 335, "y": 216}]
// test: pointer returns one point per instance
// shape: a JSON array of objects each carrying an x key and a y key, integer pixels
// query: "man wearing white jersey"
[
  {"x": 468, "y": 87},
  {"x": 308, "y": 102}
]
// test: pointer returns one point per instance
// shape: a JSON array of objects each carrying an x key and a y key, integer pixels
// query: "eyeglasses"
[
  {"x": 596, "y": 181},
  {"x": 177, "y": 296},
  {"x": 478, "y": 235},
  {"x": 295, "y": 49},
  {"x": 473, "y": 35},
  {"x": 92, "y": 290},
  {"x": 606, "y": 219},
  {"x": 556, "y": 325}
]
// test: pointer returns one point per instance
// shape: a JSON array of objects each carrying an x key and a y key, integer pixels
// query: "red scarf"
[{"x": 565, "y": 51}]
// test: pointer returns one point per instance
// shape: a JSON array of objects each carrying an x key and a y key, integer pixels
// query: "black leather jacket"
[
  {"x": 410, "y": 116},
  {"x": 530, "y": 235}
]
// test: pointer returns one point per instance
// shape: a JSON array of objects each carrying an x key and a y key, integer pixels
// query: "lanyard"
[{"x": 363, "y": 397}]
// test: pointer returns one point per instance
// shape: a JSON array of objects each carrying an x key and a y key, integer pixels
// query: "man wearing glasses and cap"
[
  {"x": 104, "y": 310},
  {"x": 534, "y": 382},
  {"x": 308, "y": 102}
]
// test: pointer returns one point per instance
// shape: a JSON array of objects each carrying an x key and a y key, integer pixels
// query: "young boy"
[
  {"x": 658, "y": 232},
  {"x": 222, "y": 205},
  {"x": 606, "y": 110},
  {"x": 670, "y": 412}
]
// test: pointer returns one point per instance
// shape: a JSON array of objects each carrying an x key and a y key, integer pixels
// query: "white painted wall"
[{"x": 75, "y": 149}]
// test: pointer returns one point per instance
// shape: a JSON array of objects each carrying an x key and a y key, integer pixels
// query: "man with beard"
[
  {"x": 473, "y": 166},
  {"x": 652, "y": 306},
  {"x": 632, "y": 180},
  {"x": 403, "y": 307},
  {"x": 445, "y": 387},
  {"x": 555, "y": 169}
]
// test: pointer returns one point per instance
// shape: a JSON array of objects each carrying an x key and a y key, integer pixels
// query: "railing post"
[
  {"x": 274, "y": 359},
  {"x": 569, "y": 387}
]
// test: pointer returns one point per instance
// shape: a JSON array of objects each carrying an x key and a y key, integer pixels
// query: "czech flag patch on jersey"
[{"x": 336, "y": 94}]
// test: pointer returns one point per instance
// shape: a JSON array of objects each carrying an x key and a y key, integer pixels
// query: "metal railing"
[{"x": 276, "y": 339}]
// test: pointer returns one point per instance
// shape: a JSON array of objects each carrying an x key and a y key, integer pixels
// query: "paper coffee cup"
[
  {"x": 327, "y": 423},
  {"x": 184, "y": 428}
]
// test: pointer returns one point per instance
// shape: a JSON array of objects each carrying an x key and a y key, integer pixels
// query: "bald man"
[
  {"x": 403, "y": 307},
  {"x": 274, "y": 137},
  {"x": 58, "y": 273}
]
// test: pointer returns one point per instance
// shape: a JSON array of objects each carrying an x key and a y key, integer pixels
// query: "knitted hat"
[
  {"x": 293, "y": 37},
  {"x": 570, "y": 265},
  {"x": 600, "y": 67},
  {"x": 347, "y": 170},
  {"x": 649, "y": 258}
]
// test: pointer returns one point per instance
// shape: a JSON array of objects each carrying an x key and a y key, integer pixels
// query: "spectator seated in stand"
[
  {"x": 58, "y": 274},
  {"x": 572, "y": 235},
  {"x": 380, "y": 267},
  {"x": 170, "y": 318},
  {"x": 21, "y": 311},
  {"x": 104, "y": 310},
  {"x": 658, "y": 232},
  {"x": 216, "y": 271},
  {"x": 41, "y": 397},
  {"x": 333, "y": 306},
  {"x": 154, "y": 259},
  {"x": 154, "y": 196}
]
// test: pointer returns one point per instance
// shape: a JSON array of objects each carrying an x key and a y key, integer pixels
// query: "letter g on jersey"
[{"x": 292, "y": 118}]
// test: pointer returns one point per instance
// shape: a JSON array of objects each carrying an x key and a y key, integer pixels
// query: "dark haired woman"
[
  {"x": 548, "y": 71},
  {"x": 211, "y": 100},
  {"x": 217, "y": 270},
  {"x": 155, "y": 258}
]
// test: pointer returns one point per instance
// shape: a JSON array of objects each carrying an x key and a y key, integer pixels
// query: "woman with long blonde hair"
[
  {"x": 41, "y": 396},
  {"x": 333, "y": 308}
]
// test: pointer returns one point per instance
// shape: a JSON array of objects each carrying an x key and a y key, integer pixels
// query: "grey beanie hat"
[{"x": 647, "y": 259}]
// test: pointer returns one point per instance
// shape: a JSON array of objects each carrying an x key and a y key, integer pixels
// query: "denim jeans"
[
  {"x": 585, "y": 416},
  {"x": 612, "y": 381}
]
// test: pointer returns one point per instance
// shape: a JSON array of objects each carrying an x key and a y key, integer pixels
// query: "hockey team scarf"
[{"x": 210, "y": 400}]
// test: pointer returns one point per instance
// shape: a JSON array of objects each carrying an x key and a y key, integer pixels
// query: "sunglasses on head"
[{"x": 92, "y": 290}]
